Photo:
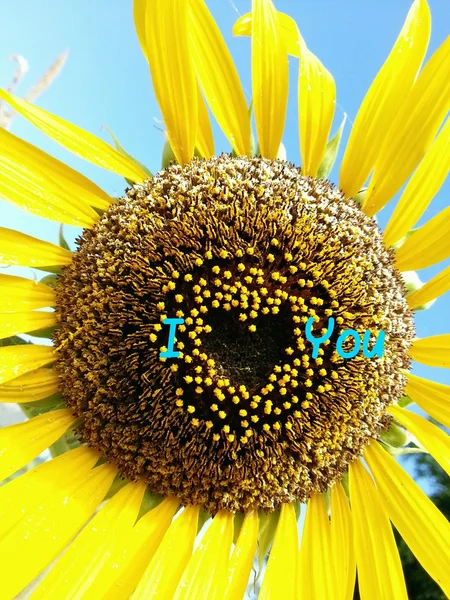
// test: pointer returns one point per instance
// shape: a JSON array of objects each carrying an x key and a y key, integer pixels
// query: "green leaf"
[
  {"x": 345, "y": 484},
  {"x": 13, "y": 340},
  {"x": 403, "y": 451},
  {"x": 254, "y": 151},
  {"x": 122, "y": 150},
  {"x": 56, "y": 269},
  {"x": 360, "y": 196},
  {"x": 67, "y": 442},
  {"x": 404, "y": 238},
  {"x": 62, "y": 240},
  {"x": 49, "y": 280},
  {"x": 116, "y": 485},
  {"x": 395, "y": 436},
  {"x": 168, "y": 157},
  {"x": 297, "y": 508},
  {"x": 203, "y": 516},
  {"x": 149, "y": 501},
  {"x": 34, "y": 409},
  {"x": 331, "y": 152},
  {"x": 404, "y": 401},
  {"x": 47, "y": 332},
  {"x": 267, "y": 528},
  {"x": 238, "y": 521}
]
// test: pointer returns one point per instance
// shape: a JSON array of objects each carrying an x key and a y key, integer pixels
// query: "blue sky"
[{"x": 106, "y": 82}]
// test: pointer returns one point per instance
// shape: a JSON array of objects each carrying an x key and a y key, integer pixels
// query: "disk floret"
[{"x": 244, "y": 251}]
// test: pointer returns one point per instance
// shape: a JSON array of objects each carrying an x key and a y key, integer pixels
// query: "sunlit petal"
[
  {"x": 280, "y": 575},
  {"x": 380, "y": 572},
  {"x": 427, "y": 246},
  {"x": 30, "y": 387},
  {"x": 433, "y": 439},
  {"x": 412, "y": 131},
  {"x": 21, "y": 443},
  {"x": 51, "y": 520},
  {"x": 218, "y": 77},
  {"x": 419, "y": 522},
  {"x": 433, "y": 351},
  {"x": 432, "y": 397},
  {"x": 18, "y": 293},
  {"x": 205, "y": 575},
  {"x": 421, "y": 188},
  {"x": 77, "y": 140},
  {"x": 12, "y": 323},
  {"x": 169, "y": 561},
  {"x": 20, "y": 359},
  {"x": 24, "y": 250},
  {"x": 173, "y": 75},
  {"x": 270, "y": 77},
  {"x": 386, "y": 95}
]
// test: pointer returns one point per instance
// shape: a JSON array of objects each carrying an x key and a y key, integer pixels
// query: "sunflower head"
[{"x": 245, "y": 252}]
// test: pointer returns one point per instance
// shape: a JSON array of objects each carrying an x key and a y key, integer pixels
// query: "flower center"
[{"x": 247, "y": 254}]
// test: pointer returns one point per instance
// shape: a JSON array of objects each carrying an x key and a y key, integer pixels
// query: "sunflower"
[{"x": 232, "y": 338}]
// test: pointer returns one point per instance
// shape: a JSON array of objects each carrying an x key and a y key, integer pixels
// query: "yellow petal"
[
  {"x": 18, "y": 293},
  {"x": 288, "y": 30},
  {"x": 77, "y": 140},
  {"x": 421, "y": 189},
  {"x": 384, "y": 99},
  {"x": 33, "y": 386},
  {"x": 343, "y": 552},
  {"x": 241, "y": 561},
  {"x": 131, "y": 554},
  {"x": 139, "y": 12},
  {"x": 419, "y": 522},
  {"x": 20, "y": 359},
  {"x": 270, "y": 77},
  {"x": 12, "y": 323},
  {"x": 317, "y": 577},
  {"x": 316, "y": 103},
  {"x": 174, "y": 83},
  {"x": 83, "y": 562},
  {"x": 48, "y": 526},
  {"x": 20, "y": 444},
  {"x": 243, "y": 25},
  {"x": 21, "y": 495},
  {"x": 412, "y": 131},
  {"x": 432, "y": 351},
  {"x": 380, "y": 572},
  {"x": 316, "y": 92},
  {"x": 167, "y": 565},
  {"x": 434, "y": 288},
  {"x": 433, "y": 439},
  {"x": 22, "y": 157},
  {"x": 427, "y": 246},
  {"x": 205, "y": 575},
  {"x": 23, "y": 250},
  {"x": 218, "y": 77},
  {"x": 280, "y": 575},
  {"x": 316, "y": 98},
  {"x": 205, "y": 140},
  {"x": 432, "y": 397}
]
